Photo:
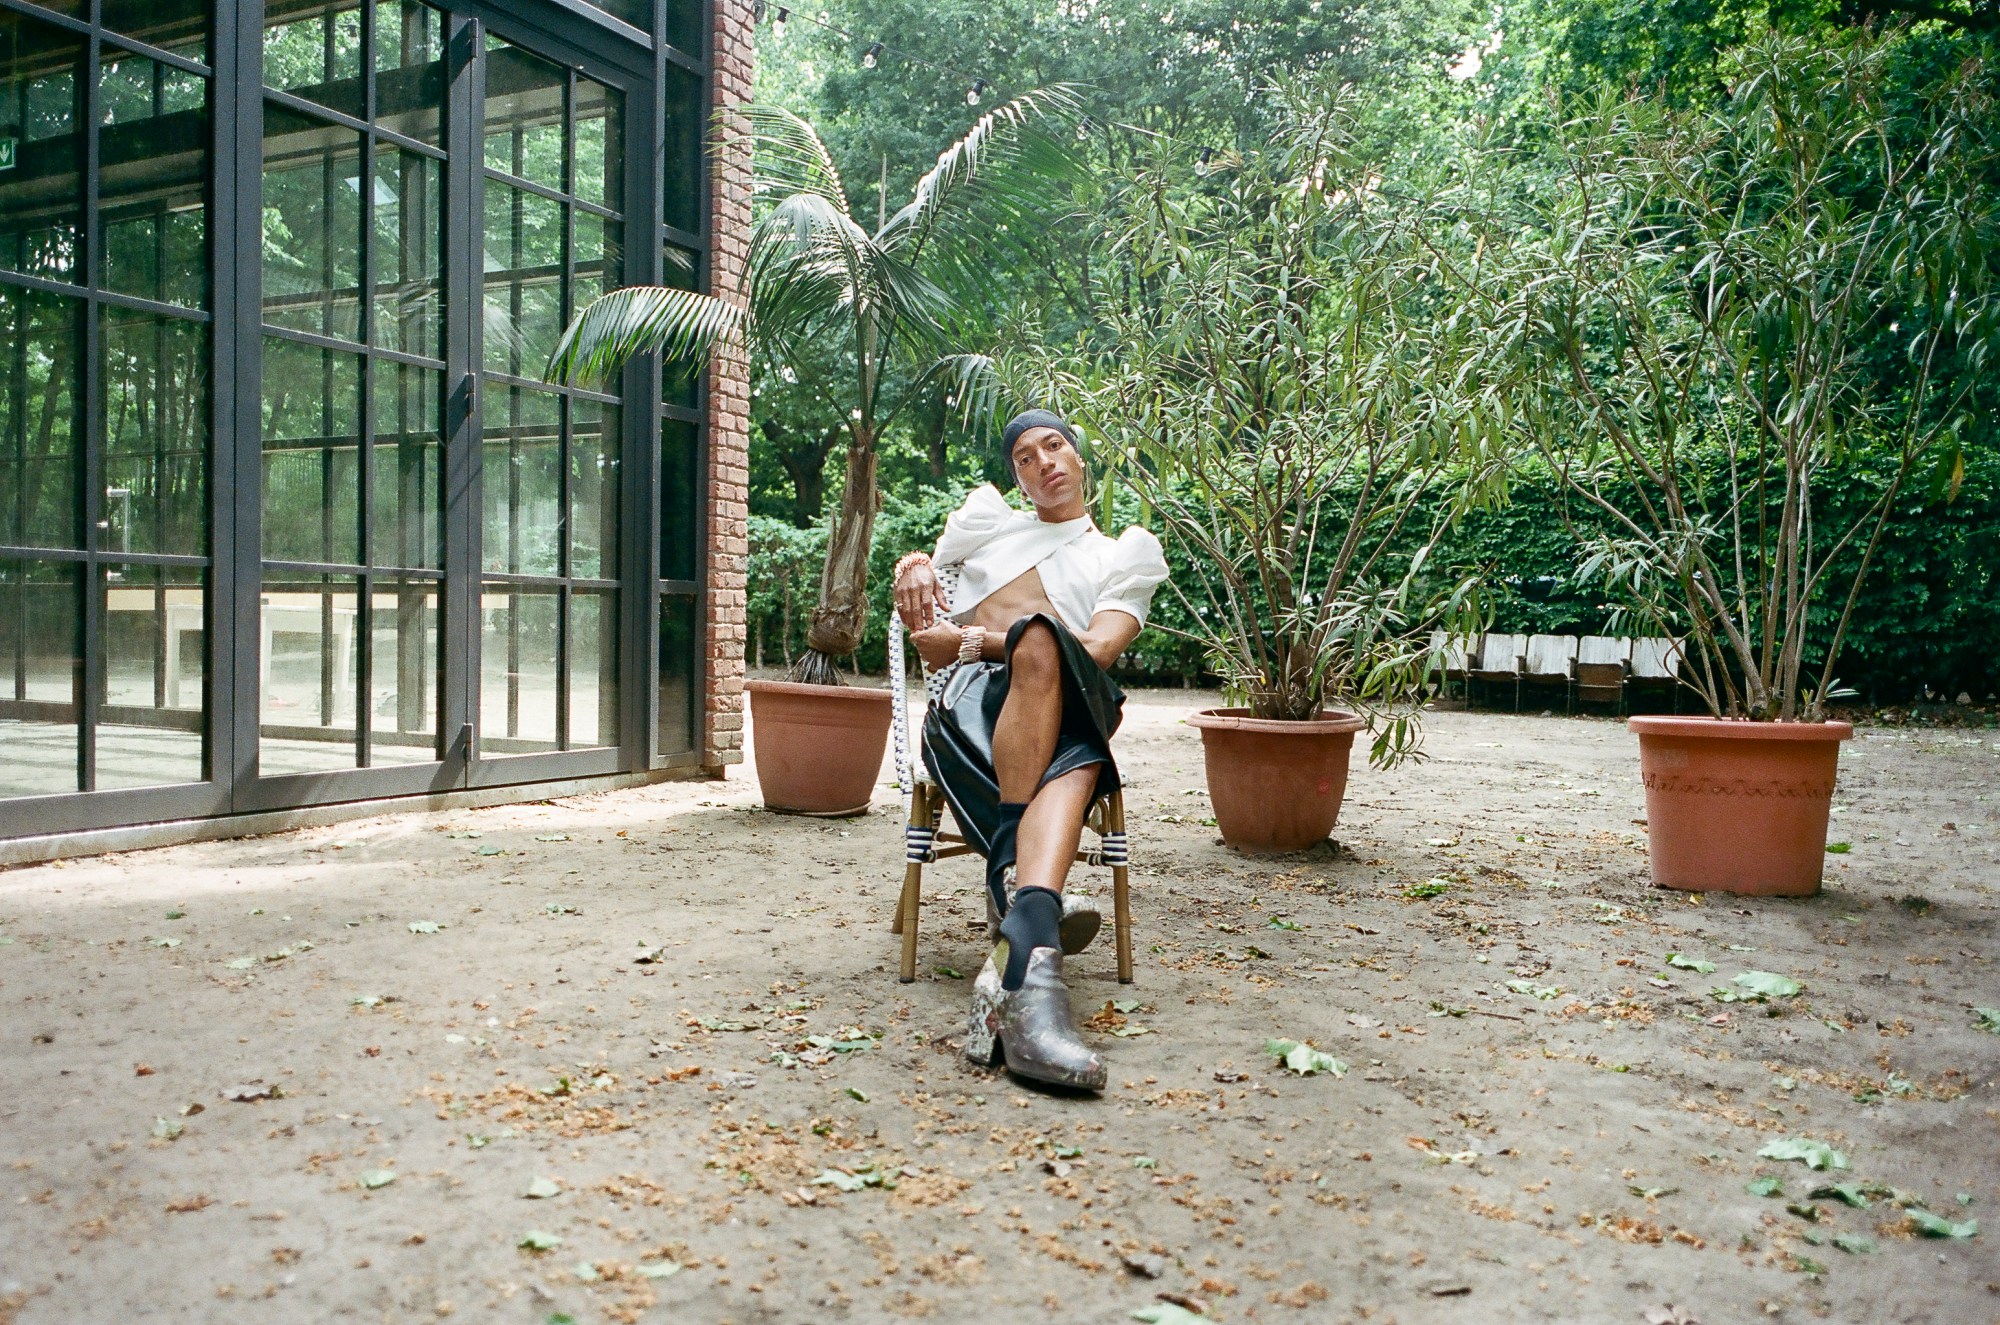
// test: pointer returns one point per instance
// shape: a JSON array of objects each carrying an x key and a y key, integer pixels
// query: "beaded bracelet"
[{"x": 909, "y": 559}]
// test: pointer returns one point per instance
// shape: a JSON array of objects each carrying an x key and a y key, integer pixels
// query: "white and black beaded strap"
[{"x": 934, "y": 684}]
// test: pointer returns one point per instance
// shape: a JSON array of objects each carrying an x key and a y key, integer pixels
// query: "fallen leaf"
[
  {"x": 425, "y": 927},
  {"x": 1839, "y": 848},
  {"x": 241, "y": 963},
  {"x": 1651, "y": 1193},
  {"x": 1845, "y": 1192},
  {"x": 663, "y": 1270},
  {"x": 1166, "y": 1313},
  {"x": 1935, "y": 1226},
  {"x": 164, "y": 942},
  {"x": 1304, "y": 1059},
  {"x": 1686, "y": 963},
  {"x": 377, "y": 1178},
  {"x": 168, "y": 1129},
  {"x": 1766, "y": 1186},
  {"x": 1854, "y": 1244},
  {"x": 552, "y": 837},
  {"x": 1149, "y": 1265},
  {"x": 947, "y": 972},
  {"x": 251, "y": 1090},
  {"x": 542, "y": 1189},
  {"x": 1763, "y": 984},
  {"x": 1813, "y": 1154},
  {"x": 857, "y": 1094},
  {"x": 1988, "y": 1019},
  {"x": 188, "y": 1205},
  {"x": 536, "y": 1240}
]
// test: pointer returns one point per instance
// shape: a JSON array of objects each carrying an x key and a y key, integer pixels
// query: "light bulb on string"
[
  {"x": 1201, "y": 167},
  {"x": 978, "y": 90},
  {"x": 757, "y": 12},
  {"x": 778, "y": 23},
  {"x": 870, "y": 56}
]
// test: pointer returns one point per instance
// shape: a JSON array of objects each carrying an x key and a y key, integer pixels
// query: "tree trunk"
[{"x": 842, "y": 613}]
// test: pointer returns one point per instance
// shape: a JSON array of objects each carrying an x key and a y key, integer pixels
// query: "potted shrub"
[
  {"x": 1716, "y": 316},
  {"x": 1273, "y": 390},
  {"x": 888, "y": 305}
]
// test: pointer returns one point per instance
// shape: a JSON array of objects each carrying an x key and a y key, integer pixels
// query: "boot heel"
[{"x": 982, "y": 1031}]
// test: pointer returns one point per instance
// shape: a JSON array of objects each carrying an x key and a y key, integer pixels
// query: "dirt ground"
[{"x": 675, "y": 1016}]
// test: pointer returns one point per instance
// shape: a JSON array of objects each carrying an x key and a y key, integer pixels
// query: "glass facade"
[{"x": 288, "y": 511}]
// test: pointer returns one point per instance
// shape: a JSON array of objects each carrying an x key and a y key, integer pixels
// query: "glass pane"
[
  {"x": 517, "y": 669},
  {"x": 409, "y": 69},
  {"x": 309, "y": 669},
  {"x": 679, "y": 499},
  {"x": 313, "y": 50},
  {"x": 524, "y": 265},
  {"x": 312, "y": 224},
  {"x": 152, "y": 188},
  {"x": 312, "y": 424},
  {"x": 593, "y": 669},
  {"x": 408, "y": 476},
  {"x": 593, "y": 490},
  {"x": 600, "y": 259},
  {"x": 156, "y": 433},
  {"x": 524, "y": 115},
  {"x": 41, "y": 671},
  {"x": 685, "y": 26},
  {"x": 150, "y": 729},
  {"x": 39, "y": 466},
  {"x": 180, "y": 26},
  {"x": 680, "y": 665},
  {"x": 680, "y": 383},
  {"x": 41, "y": 198},
  {"x": 639, "y": 13},
  {"x": 600, "y": 144},
  {"x": 681, "y": 169},
  {"x": 409, "y": 222},
  {"x": 402, "y": 661},
  {"x": 522, "y": 482}
]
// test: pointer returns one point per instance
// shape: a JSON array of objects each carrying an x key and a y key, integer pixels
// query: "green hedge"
[{"x": 1928, "y": 617}]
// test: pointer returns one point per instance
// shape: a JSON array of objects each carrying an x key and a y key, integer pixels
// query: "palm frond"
[
  {"x": 986, "y": 186},
  {"x": 787, "y": 154},
  {"x": 616, "y": 327}
]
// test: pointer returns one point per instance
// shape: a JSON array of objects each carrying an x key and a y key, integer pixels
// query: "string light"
[
  {"x": 778, "y": 23},
  {"x": 868, "y": 58},
  {"x": 978, "y": 89}
]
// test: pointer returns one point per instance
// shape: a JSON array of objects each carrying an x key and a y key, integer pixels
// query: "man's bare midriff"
[{"x": 1023, "y": 596}]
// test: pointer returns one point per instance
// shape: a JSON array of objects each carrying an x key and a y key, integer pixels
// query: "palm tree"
[{"x": 907, "y": 291}]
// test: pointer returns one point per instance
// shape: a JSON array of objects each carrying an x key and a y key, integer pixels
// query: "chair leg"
[
  {"x": 908, "y": 904},
  {"x": 1121, "y": 898}
]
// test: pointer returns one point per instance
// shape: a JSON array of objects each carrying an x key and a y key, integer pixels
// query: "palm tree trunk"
[{"x": 842, "y": 613}]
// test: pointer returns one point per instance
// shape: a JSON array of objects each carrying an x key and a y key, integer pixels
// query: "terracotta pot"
[
  {"x": 818, "y": 748},
  {"x": 1276, "y": 786},
  {"x": 1738, "y": 807}
]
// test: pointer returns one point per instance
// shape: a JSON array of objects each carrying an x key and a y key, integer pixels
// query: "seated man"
[{"x": 1019, "y": 736}]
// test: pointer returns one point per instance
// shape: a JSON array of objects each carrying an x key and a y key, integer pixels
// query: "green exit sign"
[{"x": 7, "y": 149}]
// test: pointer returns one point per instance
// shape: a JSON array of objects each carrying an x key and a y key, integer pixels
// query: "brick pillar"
[{"x": 733, "y": 51}]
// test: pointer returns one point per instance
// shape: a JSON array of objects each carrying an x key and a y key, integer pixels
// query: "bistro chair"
[{"x": 925, "y": 840}]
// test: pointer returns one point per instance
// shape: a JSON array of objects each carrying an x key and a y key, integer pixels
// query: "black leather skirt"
[{"x": 958, "y": 729}]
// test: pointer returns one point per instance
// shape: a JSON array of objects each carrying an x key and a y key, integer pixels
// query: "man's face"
[{"x": 1047, "y": 467}]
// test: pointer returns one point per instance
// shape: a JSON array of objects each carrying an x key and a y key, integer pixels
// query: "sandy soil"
[{"x": 674, "y": 1012}]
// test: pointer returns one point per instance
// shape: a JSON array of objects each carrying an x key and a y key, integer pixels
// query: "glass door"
[
  {"x": 550, "y": 457},
  {"x": 353, "y": 386}
]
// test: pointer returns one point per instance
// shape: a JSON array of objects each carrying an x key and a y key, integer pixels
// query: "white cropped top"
[{"x": 1083, "y": 571}]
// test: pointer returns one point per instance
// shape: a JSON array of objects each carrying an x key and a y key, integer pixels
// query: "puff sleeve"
[
  {"x": 1134, "y": 568},
  {"x": 973, "y": 525}
]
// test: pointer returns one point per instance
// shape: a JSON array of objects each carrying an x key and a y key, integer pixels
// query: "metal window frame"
[{"x": 582, "y": 39}]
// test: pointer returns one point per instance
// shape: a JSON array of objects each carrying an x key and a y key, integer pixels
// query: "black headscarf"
[{"x": 1026, "y": 421}]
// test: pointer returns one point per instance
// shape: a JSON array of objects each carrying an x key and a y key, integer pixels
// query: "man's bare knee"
[{"x": 1035, "y": 653}]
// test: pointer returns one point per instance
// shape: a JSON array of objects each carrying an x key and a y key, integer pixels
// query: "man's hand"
[
  {"x": 938, "y": 645},
  {"x": 920, "y": 598}
]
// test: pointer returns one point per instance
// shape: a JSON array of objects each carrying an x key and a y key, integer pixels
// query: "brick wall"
[{"x": 733, "y": 52}]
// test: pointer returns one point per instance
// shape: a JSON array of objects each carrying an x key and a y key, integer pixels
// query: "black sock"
[
  {"x": 1034, "y": 922},
  {"x": 1001, "y": 857}
]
